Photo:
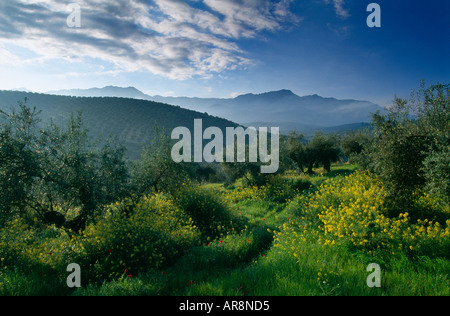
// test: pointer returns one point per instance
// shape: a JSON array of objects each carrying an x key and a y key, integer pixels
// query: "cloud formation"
[
  {"x": 174, "y": 38},
  {"x": 339, "y": 8}
]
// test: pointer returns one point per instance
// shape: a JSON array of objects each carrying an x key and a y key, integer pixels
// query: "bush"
[
  {"x": 352, "y": 211},
  {"x": 154, "y": 234},
  {"x": 17, "y": 242},
  {"x": 277, "y": 189},
  {"x": 207, "y": 210},
  {"x": 436, "y": 168},
  {"x": 42, "y": 253},
  {"x": 299, "y": 184}
]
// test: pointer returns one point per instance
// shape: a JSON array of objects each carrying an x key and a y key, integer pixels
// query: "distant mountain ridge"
[
  {"x": 282, "y": 108},
  {"x": 108, "y": 91}
]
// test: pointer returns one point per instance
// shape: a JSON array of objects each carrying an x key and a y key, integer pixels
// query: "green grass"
[
  {"x": 218, "y": 272},
  {"x": 246, "y": 263},
  {"x": 209, "y": 273},
  {"x": 17, "y": 283}
]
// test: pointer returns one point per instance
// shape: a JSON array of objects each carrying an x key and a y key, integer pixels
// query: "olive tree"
[
  {"x": 323, "y": 149},
  {"x": 411, "y": 145},
  {"x": 53, "y": 170}
]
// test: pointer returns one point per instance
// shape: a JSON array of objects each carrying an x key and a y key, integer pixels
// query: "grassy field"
[{"x": 314, "y": 236}]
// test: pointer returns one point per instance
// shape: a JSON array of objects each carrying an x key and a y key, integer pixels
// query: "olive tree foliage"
[
  {"x": 18, "y": 159},
  {"x": 434, "y": 114},
  {"x": 156, "y": 170},
  {"x": 323, "y": 149},
  {"x": 410, "y": 148},
  {"x": 296, "y": 149},
  {"x": 47, "y": 172},
  {"x": 436, "y": 167},
  {"x": 250, "y": 171},
  {"x": 354, "y": 143}
]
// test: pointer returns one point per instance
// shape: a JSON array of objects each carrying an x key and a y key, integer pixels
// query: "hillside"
[{"x": 131, "y": 120}]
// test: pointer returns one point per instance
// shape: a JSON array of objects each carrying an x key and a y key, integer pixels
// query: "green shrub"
[
  {"x": 17, "y": 241},
  {"x": 40, "y": 254},
  {"x": 207, "y": 210},
  {"x": 299, "y": 184},
  {"x": 154, "y": 234},
  {"x": 279, "y": 189},
  {"x": 437, "y": 170}
]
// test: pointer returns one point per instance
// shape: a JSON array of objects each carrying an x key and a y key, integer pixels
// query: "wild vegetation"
[{"x": 155, "y": 227}]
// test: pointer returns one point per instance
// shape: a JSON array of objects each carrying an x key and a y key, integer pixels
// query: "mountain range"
[{"x": 280, "y": 108}]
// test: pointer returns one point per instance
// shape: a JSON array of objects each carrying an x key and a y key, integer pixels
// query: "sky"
[{"x": 223, "y": 48}]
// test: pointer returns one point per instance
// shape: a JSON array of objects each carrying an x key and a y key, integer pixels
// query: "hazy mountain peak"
[
  {"x": 282, "y": 92},
  {"x": 120, "y": 88},
  {"x": 268, "y": 95},
  {"x": 107, "y": 91}
]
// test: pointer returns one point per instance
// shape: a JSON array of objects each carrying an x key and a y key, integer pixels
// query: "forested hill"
[{"x": 132, "y": 120}]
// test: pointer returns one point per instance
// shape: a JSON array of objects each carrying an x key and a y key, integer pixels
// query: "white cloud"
[
  {"x": 7, "y": 58},
  {"x": 174, "y": 38},
  {"x": 245, "y": 18},
  {"x": 339, "y": 8}
]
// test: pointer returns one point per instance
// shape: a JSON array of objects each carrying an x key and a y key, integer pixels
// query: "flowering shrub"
[
  {"x": 155, "y": 233},
  {"x": 207, "y": 210},
  {"x": 16, "y": 243},
  {"x": 352, "y": 210},
  {"x": 42, "y": 251},
  {"x": 277, "y": 189},
  {"x": 430, "y": 207}
]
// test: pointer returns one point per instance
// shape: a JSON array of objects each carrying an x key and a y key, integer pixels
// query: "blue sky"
[{"x": 223, "y": 48}]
